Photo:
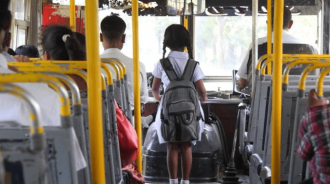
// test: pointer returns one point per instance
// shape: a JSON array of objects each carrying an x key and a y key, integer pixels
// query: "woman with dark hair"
[
  {"x": 28, "y": 50},
  {"x": 5, "y": 20},
  {"x": 177, "y": 38},
  {"x": 59, "y": 43}
]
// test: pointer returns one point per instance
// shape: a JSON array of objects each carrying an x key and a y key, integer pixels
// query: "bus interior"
[{"x": 237, "y": 142}]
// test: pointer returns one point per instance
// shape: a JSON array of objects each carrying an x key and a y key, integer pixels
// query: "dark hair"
[
  {"x": 6, "y": 40},
  {"x": 81, "y": 38},
  {"x": 11, "y": 52},
  {"x": 113, "y": 27},
  {"x": 176, "y": 36},
  {"x": 5, "y": 15},
  {"x": 53, "y": 43},
  {"x": 287, "y": 17},
  {"x": 28, "y": 50}
]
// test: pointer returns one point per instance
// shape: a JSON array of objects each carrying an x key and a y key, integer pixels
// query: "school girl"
[{"x": 177, "y": 38}]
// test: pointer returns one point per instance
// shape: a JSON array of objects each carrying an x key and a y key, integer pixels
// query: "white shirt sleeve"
[
  {"x": 242, "y": 71},
  {"x": 198, "y": 74},
  {"x": 144, "y": 84},
  {"x": 158, "y": 71}
]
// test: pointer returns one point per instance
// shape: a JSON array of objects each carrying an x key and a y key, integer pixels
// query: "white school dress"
[{"x": 178, "y": 61}]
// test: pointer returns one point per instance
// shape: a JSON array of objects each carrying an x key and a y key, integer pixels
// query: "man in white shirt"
[
  {"x": 113, "y": 39},
  {"x": 245, "y": 70}
]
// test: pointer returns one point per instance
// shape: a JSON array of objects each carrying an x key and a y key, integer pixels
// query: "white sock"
[
  {"x": 184, "y": 182},
  {"x": 174, "y": 181}
]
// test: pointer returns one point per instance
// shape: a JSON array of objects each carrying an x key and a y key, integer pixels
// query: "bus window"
[
  {"x": 21, "y": 36},
  {"x": 19, "y": 10},
  {"x": 67, "y": 2},
  {"x": 224, "y": 46}
]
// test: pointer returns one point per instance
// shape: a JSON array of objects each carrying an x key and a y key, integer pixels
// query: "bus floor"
[{"x": 243, "y": 179}]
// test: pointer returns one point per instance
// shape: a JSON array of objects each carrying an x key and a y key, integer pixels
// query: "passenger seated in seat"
[
  {"x": 177, "y": 38},
  {"x": 46, "y": 97},
  {"x": 28, "y": 50},
  {"x": 113, "y": 39},
  {"x": 15, "y": 110},
  {"x": 245, "y": 71},
  {"x": 6, "y": 51},
  {"x": 314, "y": 134},
  {"x": 60, "y": 43}
]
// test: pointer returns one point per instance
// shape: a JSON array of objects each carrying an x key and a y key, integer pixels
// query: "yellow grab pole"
[
  {"x": 269, "y": 33},
  {"x": 94, "y": 93},
  {"x": 185, "y": 24},
  {"x": 136, "y": 72},
  {"x": 277, "y": 93},
  {"x": 73, "y": 15},
  {"x": 320, "y": 82}
]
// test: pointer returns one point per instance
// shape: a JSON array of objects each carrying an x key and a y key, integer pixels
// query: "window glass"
[
  {"x": 221, "y": 42},
  {"x": 19, "y": 10},
  {"x": 21, "y": 36},
  {"x": 67, "y": 2},
  {"x": 151, "y": 35}
]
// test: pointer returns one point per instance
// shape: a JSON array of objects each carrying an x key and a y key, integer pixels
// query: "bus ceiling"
[{"x": 242, "y": 2}]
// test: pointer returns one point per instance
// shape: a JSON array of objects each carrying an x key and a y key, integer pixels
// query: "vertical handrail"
[
  {"x": 73, "y": 15},
  {"x": 136, "y": 72},
  {"x": 277, "y": 93},
  {"x": 185, "y": 24},
  {"x": 269, "y": 33},
  {"x": 94, "y": 93},
  {"x": 254, "y": 39}
]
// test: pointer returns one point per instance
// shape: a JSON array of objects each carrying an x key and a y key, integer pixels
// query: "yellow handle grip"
[
  {"x": 320, "y": 81},
  {"x": 306, "y": 71}
]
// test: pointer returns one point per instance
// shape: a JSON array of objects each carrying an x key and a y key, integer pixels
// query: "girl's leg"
[
  {"x": 186, "y": 159},
  {"x": 172, "y": 159}
]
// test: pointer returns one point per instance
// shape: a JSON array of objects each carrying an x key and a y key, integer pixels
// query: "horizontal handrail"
[{"x": 53, "y": 82}]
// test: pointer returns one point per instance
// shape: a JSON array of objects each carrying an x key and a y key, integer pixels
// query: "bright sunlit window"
[{"x": 221, "y": 42}]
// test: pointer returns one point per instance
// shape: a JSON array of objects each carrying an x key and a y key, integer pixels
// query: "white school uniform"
[
  {"x": 178, "y": 61},
  {"x": 128, "y": 62}
]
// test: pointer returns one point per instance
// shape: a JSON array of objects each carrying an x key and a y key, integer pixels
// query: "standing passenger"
[
  {"x": 177, "y": 38},
  {"x": 113, "y": 39}
]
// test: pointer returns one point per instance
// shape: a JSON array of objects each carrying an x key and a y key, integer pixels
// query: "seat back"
[{"x": 288, "y": 48}]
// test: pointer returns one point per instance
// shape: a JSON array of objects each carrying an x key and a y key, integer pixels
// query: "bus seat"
[
  {"x": 296, "y": 171},
  {"x": 289, "y": 109},
  {"x": 78, "y": 122},
  {"x": 288, "y": 48},
  {"x": 112, "y": 157},
  {"x": 257, "y": 119},
  {"x": 59, "y": 152},
  {"x": 296, "y": 167},
  {"x": 24, "y": 164},
  {"x": 2, "y": 170},
  {"x": 255, "y": 168}
]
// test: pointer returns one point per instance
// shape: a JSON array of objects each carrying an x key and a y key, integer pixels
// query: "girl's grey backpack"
[{"x": 180, "y": 112}]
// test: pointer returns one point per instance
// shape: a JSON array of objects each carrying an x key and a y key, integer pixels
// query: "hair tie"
[{"x": 65, "y": 37}]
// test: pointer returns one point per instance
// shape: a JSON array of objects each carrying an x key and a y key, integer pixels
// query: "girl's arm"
[
  {"x": 201, "y": 90},
  {"x": 155, "y": 88}
]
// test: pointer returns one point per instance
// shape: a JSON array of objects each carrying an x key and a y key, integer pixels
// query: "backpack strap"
[
  {"x": 168, "y": 68},
  {"x": 189, "y": 70}
]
